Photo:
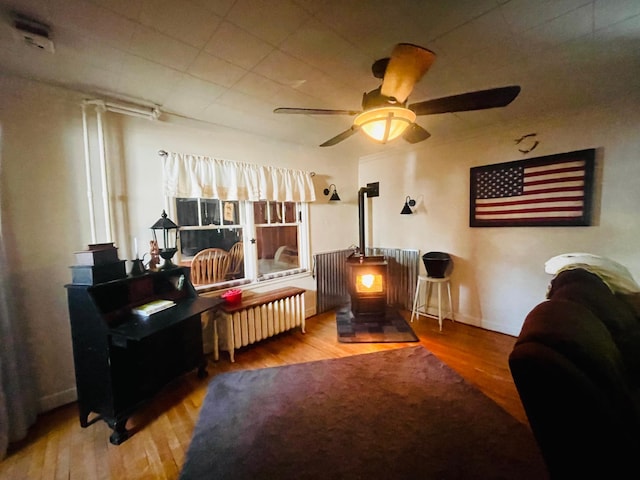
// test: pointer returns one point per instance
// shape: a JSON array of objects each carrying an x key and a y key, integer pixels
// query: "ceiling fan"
[{"x": 385, "y": 114}]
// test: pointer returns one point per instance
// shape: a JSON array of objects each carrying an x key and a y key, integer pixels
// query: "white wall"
[
  {"x": 499, "y": 273},
  {"x": 45, "y": 210}
]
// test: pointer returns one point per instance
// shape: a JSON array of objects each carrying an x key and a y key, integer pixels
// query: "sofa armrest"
[{"x": 576, "y": 392}]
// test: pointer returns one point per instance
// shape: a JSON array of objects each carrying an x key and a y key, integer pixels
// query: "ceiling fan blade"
[
  {"x": 315, "y": 111},
  {"x": 492, "y": 98},
  {"x": 341, "y": 136},
  {"x": 407, "y": 65},
  {"x": 415, "y": 133}
]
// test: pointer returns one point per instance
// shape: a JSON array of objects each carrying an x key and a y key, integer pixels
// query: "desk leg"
[{"x": 120, "y": 432}]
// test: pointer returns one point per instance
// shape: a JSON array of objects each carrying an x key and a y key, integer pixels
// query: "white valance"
[{"x": 196, "y": 176}]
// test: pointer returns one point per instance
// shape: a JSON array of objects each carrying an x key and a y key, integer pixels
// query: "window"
[
  {"x": 263, "y": 239},
  {"x": 255, "y": 216},
  {"x": 276, "y": 229}
]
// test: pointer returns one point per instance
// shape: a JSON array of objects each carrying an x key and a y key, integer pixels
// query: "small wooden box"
[
  {"x": 97, "y": 254},
  {"x": 93, "y": 274}
]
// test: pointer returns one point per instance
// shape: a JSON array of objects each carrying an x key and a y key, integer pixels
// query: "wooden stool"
[{"x": 422, "y": 308}]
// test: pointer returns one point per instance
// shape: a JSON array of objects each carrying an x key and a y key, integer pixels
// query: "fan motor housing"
[{"x": 375, "y": 99}]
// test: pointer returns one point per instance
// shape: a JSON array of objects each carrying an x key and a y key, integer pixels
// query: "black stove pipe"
[{"x": 361, "y": 193}]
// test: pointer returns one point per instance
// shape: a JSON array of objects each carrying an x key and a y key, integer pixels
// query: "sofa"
[{"x": 576, "y": 366}]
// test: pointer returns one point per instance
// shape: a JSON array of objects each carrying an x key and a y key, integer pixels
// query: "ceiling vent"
[{"x": 32, "y": 33}]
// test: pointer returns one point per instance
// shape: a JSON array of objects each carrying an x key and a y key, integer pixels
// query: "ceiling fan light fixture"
[{"x": 385, "y": 124}]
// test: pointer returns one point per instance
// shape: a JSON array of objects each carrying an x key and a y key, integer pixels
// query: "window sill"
[{"x": 269, "y": 279}]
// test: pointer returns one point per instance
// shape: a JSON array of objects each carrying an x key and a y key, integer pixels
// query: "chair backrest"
[
  {"x": 286, "y": 255},
  {"x": 236, "y": 254},
  {"x": 210, "y": 266}
]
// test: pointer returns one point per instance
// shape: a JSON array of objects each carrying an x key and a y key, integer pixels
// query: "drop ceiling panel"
[
  {"x": 93, "y": 21},
  {"x": 237, "y": 46},
  {"x": 162, "y": 49},
  {"x": 186, "y": 21},
  {"x": 215, "y": 70},
  {"x": 284, "y": 18}
]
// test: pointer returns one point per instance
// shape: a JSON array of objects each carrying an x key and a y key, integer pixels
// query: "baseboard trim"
[{"x": 49, "y": 402}]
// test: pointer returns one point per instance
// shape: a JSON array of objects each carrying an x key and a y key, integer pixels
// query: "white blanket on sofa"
[{"x": 616, "y": 276}]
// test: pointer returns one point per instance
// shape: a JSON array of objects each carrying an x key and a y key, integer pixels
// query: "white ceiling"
[{"x": 231, "y": 62}]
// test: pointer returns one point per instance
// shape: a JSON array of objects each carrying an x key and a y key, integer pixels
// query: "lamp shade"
[
  {"x": 408, "y": 203},
  {"x": 385, "y": 123},
  {"x": 334, "y": 196}
]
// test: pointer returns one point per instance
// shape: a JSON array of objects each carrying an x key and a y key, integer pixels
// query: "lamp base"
[
  {"x": 167, "y": 254},
  {"x": 168, "y": 265}
]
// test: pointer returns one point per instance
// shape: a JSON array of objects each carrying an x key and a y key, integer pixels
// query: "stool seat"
[{"x": 422, "y": 307}]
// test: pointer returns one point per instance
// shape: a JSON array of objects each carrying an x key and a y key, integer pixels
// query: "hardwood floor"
[{"x": 57, "y": 447}]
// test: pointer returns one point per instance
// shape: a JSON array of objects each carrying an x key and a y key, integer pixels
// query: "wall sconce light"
[
  {"x": 334, "y": 196},
  {"x": 408, "y": 202}
]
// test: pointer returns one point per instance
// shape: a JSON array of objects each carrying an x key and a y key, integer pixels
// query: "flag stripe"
[
  {"x": 530, "y": 216},
  {"x": 530, "y": 206},
  {"x": 560, "y": 195},
  {"x": 557, "y": 187},
  {"x": 556, "y": 166},
  {"x": 549, "y": 179}
]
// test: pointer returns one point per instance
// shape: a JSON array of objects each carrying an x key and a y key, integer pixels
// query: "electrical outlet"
[{"x": 373, "y": 189}]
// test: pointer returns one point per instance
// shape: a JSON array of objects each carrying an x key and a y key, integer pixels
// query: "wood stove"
[
  {"x": 367, "y": 284},
  {"x": 367, "y": 275}
]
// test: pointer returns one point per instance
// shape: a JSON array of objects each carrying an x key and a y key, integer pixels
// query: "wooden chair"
[
  {"x": 210, "y": 266},
  {"x": 236, "y": 267},
  {"x": 286, "y": 256}
]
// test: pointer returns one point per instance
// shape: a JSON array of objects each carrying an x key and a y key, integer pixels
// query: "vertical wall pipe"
[
  {"x": 100, "y": 109},
  {"x": 361, "y": 194},
  {"x": 87, "y": 166}
]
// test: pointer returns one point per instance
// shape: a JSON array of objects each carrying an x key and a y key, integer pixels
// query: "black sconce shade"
[
  {"x": 334, "y": 196},
  {"x": 408, "y": 202}
]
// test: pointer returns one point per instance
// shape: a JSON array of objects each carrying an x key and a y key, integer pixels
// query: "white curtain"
[
  {"x": 18, "y": 406},
  {"x": 195, "y": 176}
]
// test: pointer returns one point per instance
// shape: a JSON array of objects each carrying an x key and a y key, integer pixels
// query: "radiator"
[
  {"x": 330, "y": 270},
  {"x": 261, "y": 320}
]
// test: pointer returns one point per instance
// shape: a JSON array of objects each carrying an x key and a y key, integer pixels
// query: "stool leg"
[
  {"x": 440, "y": 305},
  {"x": 450, "y": 302},
  {"x": 427, "y": 300},
  {"x": 415, "y": 300}
]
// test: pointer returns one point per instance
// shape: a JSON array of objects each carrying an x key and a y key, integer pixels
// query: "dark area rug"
[
  {"x": 396, "y": 414},
  {"x": 387, "y": 327}
]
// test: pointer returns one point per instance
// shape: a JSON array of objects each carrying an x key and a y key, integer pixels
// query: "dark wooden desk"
[{"x": 122, "y": 360}]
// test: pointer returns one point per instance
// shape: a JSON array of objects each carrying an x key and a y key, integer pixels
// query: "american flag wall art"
[{"x": 555, "y": 190}]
